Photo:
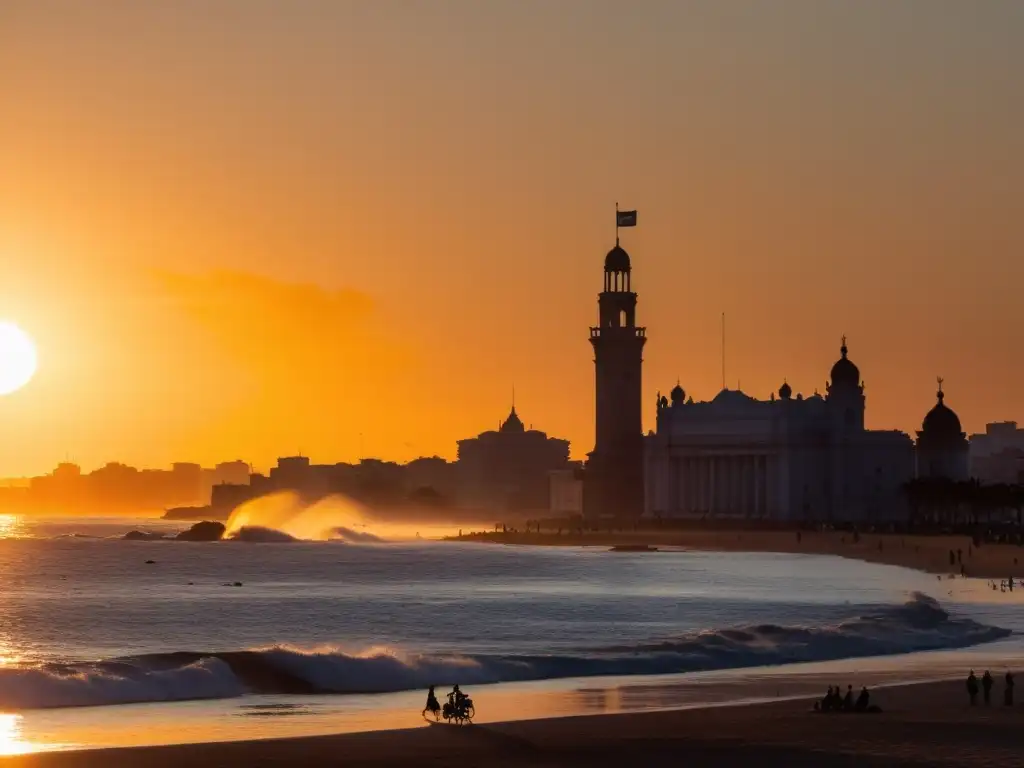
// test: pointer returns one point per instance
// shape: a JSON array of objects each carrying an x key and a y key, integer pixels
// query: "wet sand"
[
  {"x": 923, "y": 725},
  {"x": 924, "y": 553}
]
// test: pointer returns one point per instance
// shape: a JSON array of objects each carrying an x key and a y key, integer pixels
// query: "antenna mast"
[{"x": 723, "y": 350}]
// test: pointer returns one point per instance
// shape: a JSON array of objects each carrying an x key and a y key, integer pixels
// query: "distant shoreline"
[{"x": 930, "y": 554}]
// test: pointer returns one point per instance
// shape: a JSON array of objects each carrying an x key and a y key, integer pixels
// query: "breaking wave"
[
  {"x": 921, "y": 624},
  {"x": 350, "y": 536},
  {"x": 259, "y": 534}
]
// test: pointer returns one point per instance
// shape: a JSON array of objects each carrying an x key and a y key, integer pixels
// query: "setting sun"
[{"x": 17, "y": 358}]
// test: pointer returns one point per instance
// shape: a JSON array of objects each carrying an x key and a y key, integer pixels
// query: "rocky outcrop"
[{"x": 207, "y": 530}]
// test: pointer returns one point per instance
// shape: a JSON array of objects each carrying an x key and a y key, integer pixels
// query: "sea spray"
[
  {"x": 332, "y": 518},
  {"x": 288, "y": 513}
]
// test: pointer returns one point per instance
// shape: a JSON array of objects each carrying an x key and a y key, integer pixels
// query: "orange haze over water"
[{"x": 246, "y": 229}]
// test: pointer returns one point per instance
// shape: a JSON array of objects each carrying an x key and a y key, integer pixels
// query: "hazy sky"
[{"x": 249, "y": 228}]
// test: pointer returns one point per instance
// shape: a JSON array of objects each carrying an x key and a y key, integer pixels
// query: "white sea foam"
[{"x": 918, "y": 625}]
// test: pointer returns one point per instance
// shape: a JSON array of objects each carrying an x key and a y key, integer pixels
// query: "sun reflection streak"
[
  {"x": 11, "y": 740},
  {"x": 11, "y": 526}
]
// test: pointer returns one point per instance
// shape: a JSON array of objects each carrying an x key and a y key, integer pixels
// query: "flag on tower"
[{"x": 625, "y": 218}]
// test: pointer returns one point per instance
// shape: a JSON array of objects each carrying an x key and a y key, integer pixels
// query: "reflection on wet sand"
[
  {"x": 12, "y": 741},
  {"x": 263, "y": 717}
]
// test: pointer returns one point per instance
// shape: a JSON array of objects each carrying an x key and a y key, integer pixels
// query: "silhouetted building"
[
  {"x": 997, "y": 454},
  {"x": 784, "y": 458},
  {"x": 508, "y": 469},
  {"x": 431, "y": 472},
  {"x": 377, "y": 483},
  {"x": 225, "y": 473},
  {"x": 941, "y": 443},
  {"x": 226, "y": 496},
  {"x": 566, "y": 486},
  {"x": 186, "y": 480},
  {"x": 614, "y": 479}
]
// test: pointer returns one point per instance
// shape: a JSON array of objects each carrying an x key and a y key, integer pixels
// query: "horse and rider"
[{"x": 459, "y": 706}]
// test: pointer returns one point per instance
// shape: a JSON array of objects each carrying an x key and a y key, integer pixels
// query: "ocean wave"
[
  {"x": 81, "y": 685},
  {"x": 352, "y": 536},
  {"x": 261, "y": 534},
  {"x": 921, "y": 624}
]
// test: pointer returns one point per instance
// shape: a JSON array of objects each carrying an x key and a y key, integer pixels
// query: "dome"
[
  {"x": 941, "y": 422},
  {"x": 732, "y": 397},
  {"x": 844, "y": 372},
  {"x": 617, "y": 260},
  {"x": 677, "y": 394},
  {"x": 785, "y": 391},
  {"x": 513, "y": 423}
]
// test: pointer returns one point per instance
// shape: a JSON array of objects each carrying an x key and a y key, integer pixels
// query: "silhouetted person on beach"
[
  {"x": 986, "y": 687},
  {"x": 828, "y": 701},
  {"x": 972, "y": 688},
  {"x": 1008, "y": 690},
  {"x": 433, "y": 707},
  {"x": 863, "y": 701},
  {"x": 848, "y": 699},
  {"x": 456, "y": 697}
]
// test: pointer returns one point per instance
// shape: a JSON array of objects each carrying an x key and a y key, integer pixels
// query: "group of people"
[
  {"x": 457, "y": 702},
  {"x": 986, "y": 688},
  {"x": 835, "y": 701}
]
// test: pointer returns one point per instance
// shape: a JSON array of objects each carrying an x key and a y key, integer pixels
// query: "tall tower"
[
  {"x": 614, "y": 484},
  {"x": 845, "y": 404}
]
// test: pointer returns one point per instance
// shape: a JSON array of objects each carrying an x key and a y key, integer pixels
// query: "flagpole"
[
  {"x": 616, "y": 223},
  {"x": 723, "y": 350}
]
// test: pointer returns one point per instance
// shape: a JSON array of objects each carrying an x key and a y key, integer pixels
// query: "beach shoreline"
[
  {"x": 943, "y": 555},
  {"x": 923, "y": 724}
]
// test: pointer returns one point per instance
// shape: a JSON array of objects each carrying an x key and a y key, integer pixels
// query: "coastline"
[
  {"x": 924, "y": 724},
  {"x": 930, "y": 554}
]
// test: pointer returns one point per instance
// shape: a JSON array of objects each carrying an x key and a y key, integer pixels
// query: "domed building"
[
  {"x": 508, "y": 469},
  {"x": 942, "y": 446},
  {"x": 788, "y": 457}
]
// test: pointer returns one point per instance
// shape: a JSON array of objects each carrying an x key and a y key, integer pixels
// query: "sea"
[{"x": 112, "y": 642}]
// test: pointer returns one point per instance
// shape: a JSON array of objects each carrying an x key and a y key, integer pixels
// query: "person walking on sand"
[
  {"x": 986, "y": 687},
  {"x": 972, "y": 688},
  {"x": 1008, "y": 690}
]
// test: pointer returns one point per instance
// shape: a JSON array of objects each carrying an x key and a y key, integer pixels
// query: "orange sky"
[{"x": 244, "y": 229}]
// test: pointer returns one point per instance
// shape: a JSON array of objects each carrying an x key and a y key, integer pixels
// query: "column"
[
  {"x": 676, "y": 478},
  {"x": 701, "y": 468},
  {"x": 757, "y": 486},
  {"x": 748, "y": 487},
  {"x": 713, "y": 484},
  {"x": 691, "y": 483}
]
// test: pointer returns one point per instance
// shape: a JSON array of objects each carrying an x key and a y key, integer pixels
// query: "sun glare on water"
[{"x": 17, "y": 358}]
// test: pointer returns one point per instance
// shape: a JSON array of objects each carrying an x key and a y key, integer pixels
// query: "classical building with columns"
[{"x": 785, "y": 458}]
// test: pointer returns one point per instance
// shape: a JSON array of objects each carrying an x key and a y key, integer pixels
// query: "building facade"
[
  {"x": 997, "y": 454},
  {"x": 508, "y": 469},
  {"x": 942, "y": 448},
  {"x": 785, "y": 458},
  {"x": 614, "y": 478},
  {"x": 566, "y": 486}
]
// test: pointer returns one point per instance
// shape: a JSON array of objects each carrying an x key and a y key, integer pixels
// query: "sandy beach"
[
  {"x": 923, "y": 725},
  {"x": 925, "y": 553}
]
